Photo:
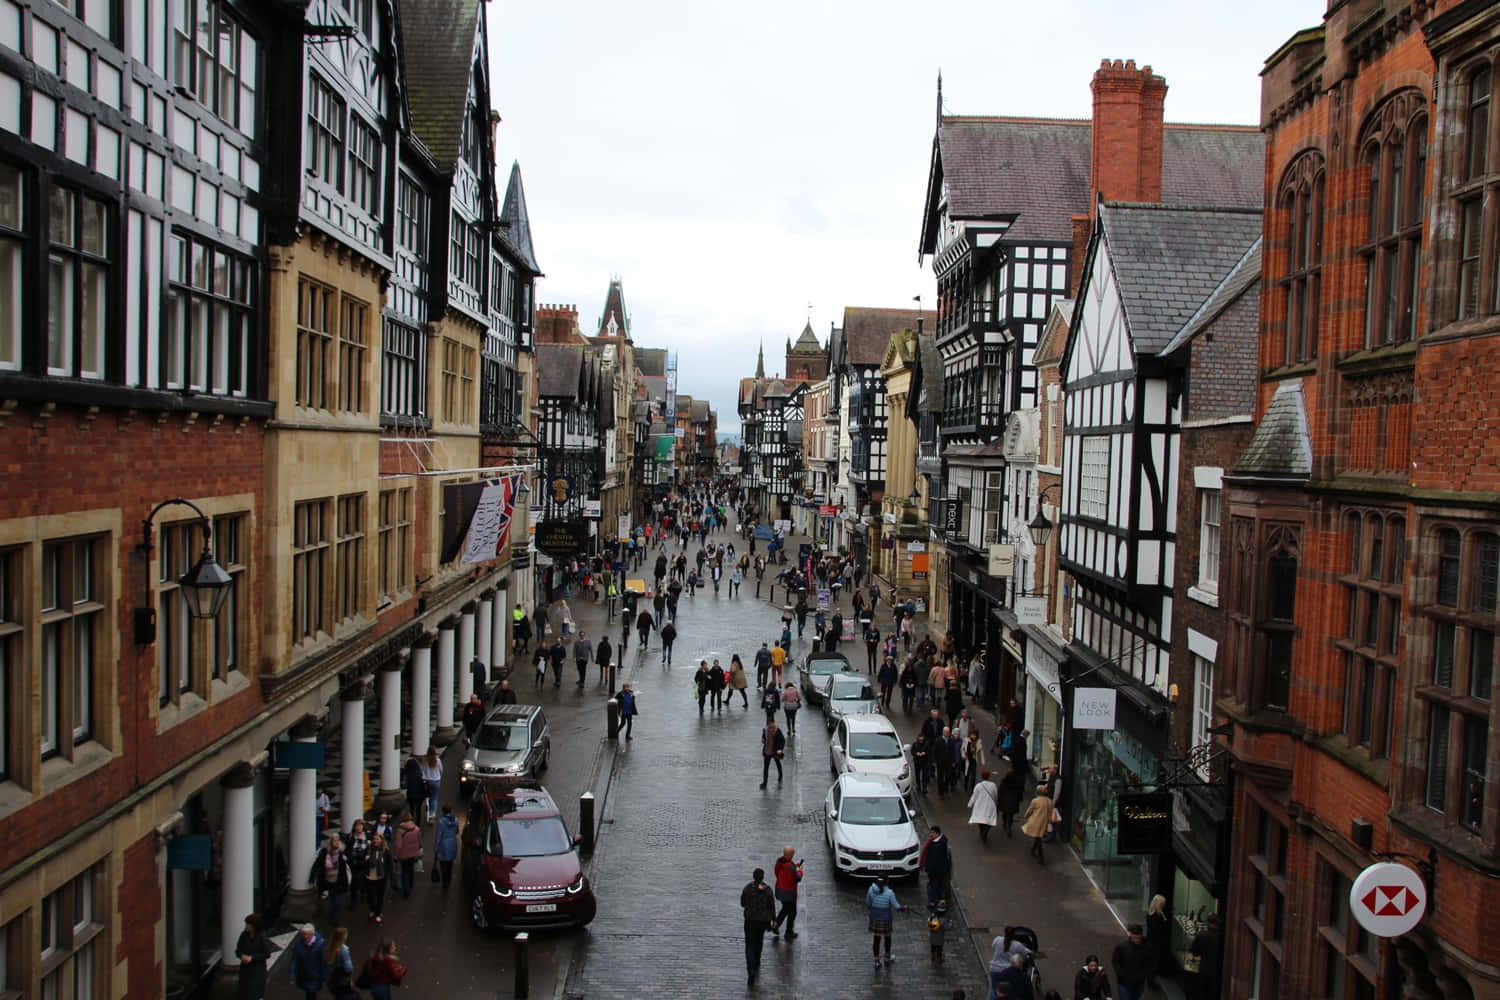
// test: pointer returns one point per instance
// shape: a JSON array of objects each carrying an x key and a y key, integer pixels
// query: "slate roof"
[
  {"x": 1168, "y": 260},
  {"x": 437, "y": 43},
  {"x": 558, "y": 369},
  {"x": 516, "y": 231},
  {"x": 1035, "y": 171},
  {"x": 1244, "y": 275},
  {"x": 1281, "y": 447},
  {"x": 651, "y": 361},
  {"x": 867, "y": 332},
  {"x": 614, "y": 305},
  {"x": 807, "y": 343}
]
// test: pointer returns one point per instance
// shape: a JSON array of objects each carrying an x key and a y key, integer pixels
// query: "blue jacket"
[
  {"x": 445, "y": 848},
  {"x": 308, "y": 972},
  {"x": 881, "y": 902},
  {"x": 627, "y": 703}
]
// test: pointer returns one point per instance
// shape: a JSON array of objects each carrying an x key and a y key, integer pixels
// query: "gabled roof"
[
  {"x": 515, "y": 231},
  {"x": 559, "y": 370},
  {"x": 1239, "y": 280},
  {"x": 437, "y": 49},
  {"x": 927, "y": 379},
  {"x": 614, "y": 306},
  {"x": 1168, "y": 260},
  {"x": 1034, "y": 172},
  {"x": 807, "y": 343},
  {"x": 867, "y": 331},
  {"x": 1281, "y": 447},
  {"x": 1054, "y": 338}
]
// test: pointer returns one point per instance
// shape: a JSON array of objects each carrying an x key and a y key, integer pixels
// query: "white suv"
[
  {"x": 869, "y": 829},
  {"x": 869, "y": 744}
]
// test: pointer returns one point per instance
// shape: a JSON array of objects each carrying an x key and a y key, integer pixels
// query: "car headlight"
[
  {"x": 468, "y": 765},
  {"x": 577, "y": 886},
  {"x": 502, "y": 893}
]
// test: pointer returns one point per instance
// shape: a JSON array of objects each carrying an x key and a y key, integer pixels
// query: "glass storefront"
[
  {"x": 1044, "y": 719},
  {"x": 1192, "y": 903},
  {"x": 1105, "y": 763}
]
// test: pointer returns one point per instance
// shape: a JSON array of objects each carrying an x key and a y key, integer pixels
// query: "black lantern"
[{"x": 204, "y": 588}]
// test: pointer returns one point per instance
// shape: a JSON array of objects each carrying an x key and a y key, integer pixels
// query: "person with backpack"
[
  {"x": 407, "y": 848},
  {"x": 770, "y": 701},
  {"x": 382, "y": 970}
]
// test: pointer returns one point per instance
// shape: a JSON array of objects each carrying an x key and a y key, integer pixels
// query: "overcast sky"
[{"x": 734, "y": 163}]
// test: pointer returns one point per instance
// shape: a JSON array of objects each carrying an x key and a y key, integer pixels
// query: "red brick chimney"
[{"x": 1127, "y": 133}]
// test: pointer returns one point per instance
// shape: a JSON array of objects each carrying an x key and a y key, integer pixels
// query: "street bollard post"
[
  {"x": 612, "y": 718},
  {"x": 523, "y": 973},
  {"x": 586, "y": 820}
]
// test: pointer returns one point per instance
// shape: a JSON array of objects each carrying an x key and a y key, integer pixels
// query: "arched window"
[
  {"x": 1395, "y": 158},
  {"x": 1301, "y": 202}
]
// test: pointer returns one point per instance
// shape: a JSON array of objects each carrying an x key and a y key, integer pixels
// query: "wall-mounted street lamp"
[
  {"x": 914, "y": 497},
  {"x": 204, "y": 588},
  {"x": 1039, "y": 527}
]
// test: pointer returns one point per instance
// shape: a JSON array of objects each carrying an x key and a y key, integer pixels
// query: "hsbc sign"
[{"x": 1388, "y": 899}]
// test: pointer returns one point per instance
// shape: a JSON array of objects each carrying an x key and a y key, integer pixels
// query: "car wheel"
[{"x": 477, "y": 912}]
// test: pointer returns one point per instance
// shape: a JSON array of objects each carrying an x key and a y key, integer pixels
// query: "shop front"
[
  {"x": 973, "y": 601},
  {"x": 1044, "y": 718}
]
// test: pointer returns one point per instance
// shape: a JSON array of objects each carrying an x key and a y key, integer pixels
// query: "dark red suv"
[{"x": 520, "y": 865}]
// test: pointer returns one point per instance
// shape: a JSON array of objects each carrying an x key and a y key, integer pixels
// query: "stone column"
[
  {"x": 484, "y": 624},
  {"x": 465, "y": 656},
  {"x": 390, "y": 735},
  {"x": 421, "y": 695},
  {"x": 352, "y": 734},
  {"x": 500, "y": 636},
  {"x": 302, "y": 829},
  {"x": 445, "y": 732},
  {"x": 237, "y": 891}
]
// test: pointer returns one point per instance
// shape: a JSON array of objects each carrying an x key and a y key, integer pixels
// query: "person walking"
[
  {"x": 716, "y": 683},
  {"x": 700, "y": 684},
  {"x": 921, "y": 762},
  {"x": 972, "y": 756},
  {"x": 937, "y": 861},
  {"x": 539, "y": 665},
  {"x": 385, "y": 970},
  {"x": 416, "y": 788},
  {"x": 1091, "y": 982},
  {"x": 1011, "y": 788},
  {"x": 357, "y": 851},
  {"x": 737, "y": 682},
  {"x": 762, "y": 665},
  {"x": 253, "y": 948},
  {"x": 330, "y": 872},
  {"x": 881, "y": 904},
  {"x": 406, "y": 850},
  {"x": 481, "y": 676},
  {"x": 432, "y": 777},
  {"x": 445, "y": 846},
  {"x": 984, "y": 802},
  {"x": 583, "y": 651},
  {"x": 643, "y": 625},
  {"x": 378, "y": 866},
  {"x": 603, "y": 655},
  {"x": 791, "y": 702},
  {"x": 1034, "y": 825},
  {"x": 759, "y": 904},
  {"x": 770, "y": 701},
  {"x": 772, "y": 747},
  {"x": 1159, "y": 937},
  {"x": 945, "y": 755},
  {"x": 788, "y": 877},
  {"x": 908, "y": 682},
  {"x": 307, "y": 971},
  {"x": 473, "y": 715},
  {"x": 778, "y": 660},
  {"x": 338, "y": 963},
  {"x": 668, "y": 636},
  {"x": 1134, "y": 963},
  {"x": 628, "y": 710},
  {"x": 557, "y": 655},
  {"x": 886, "y": 677},
  {"x": 872, "y": 646}
]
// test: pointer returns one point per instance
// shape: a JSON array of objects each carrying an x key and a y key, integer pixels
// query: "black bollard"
[
  {"x": 612, "y": 718},
  {"x": 586, "y": 820},
  {"x": 523, "y": 974}
]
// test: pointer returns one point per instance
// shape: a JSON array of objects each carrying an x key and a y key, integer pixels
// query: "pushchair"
[{"x": 1027, "y": 938}]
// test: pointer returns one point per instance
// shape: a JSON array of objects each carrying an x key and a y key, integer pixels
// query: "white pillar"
[
  {"x": 484, "y": 624},
  {"x": 302, "y": 819},
  {"x": 237, "y": 890},
  {"x": 390, "y": 727},
  {"x": 445, "y": 674},
  {"x": 421, "y": 696},
  {"x": 465, "y": 655},
  {"x": 352, "y": 732},
  {"x": 499, "y": 641}
]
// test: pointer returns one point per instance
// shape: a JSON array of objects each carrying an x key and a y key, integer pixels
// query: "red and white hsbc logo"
[{"x": 1388, "y": 899}]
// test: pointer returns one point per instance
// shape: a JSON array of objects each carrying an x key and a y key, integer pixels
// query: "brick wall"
[{"x": 1126, "y": 139}]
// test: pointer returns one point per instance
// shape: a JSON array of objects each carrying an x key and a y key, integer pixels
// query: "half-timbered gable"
[
  {"x": 1149, "y": 271},
  {"x": 512, "y": 309},
  {"x": 568, "y": 425},
  {"x": 865, "y": 335}
]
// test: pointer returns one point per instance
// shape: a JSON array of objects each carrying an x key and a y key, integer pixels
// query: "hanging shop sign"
[
  {"x": 1002, "y": 560},
  {"x": 1388, "y": 899},
  {"x": 592, "y": 509},
  {"x": 1094, "y": 708},
  {"x": 1145, "y": 823},
  {"x": 562, "y": 537},
  {"x": 1031, "y": 610}
]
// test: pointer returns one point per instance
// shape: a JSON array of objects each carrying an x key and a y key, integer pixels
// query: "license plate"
[{"x": 541, "y": 907}]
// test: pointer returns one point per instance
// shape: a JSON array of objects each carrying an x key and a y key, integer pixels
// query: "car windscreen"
[
  {"x": 880, "y": 810},
  {"x": 827, "y": 666},
  {"x": 527, "y": 838},
  {"x": 502, "y": 736},
  {"x": 845, "y": 688},
  {"x": 874, "y": 746}
]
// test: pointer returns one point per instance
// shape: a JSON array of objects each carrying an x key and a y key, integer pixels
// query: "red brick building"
[{"x": 1362, "y": 532}]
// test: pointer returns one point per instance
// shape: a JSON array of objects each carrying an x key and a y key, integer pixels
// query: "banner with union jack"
[{"x": 489, "y": 529}]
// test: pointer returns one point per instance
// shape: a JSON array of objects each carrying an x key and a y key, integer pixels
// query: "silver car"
[
  {"x": 848, "y": 694},
  {"x": 512, "y": 741}
]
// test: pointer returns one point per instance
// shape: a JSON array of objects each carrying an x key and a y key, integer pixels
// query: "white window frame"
[
  {"x": 1093, "y": 476},
  {"x": 1210, "y": 510}
]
